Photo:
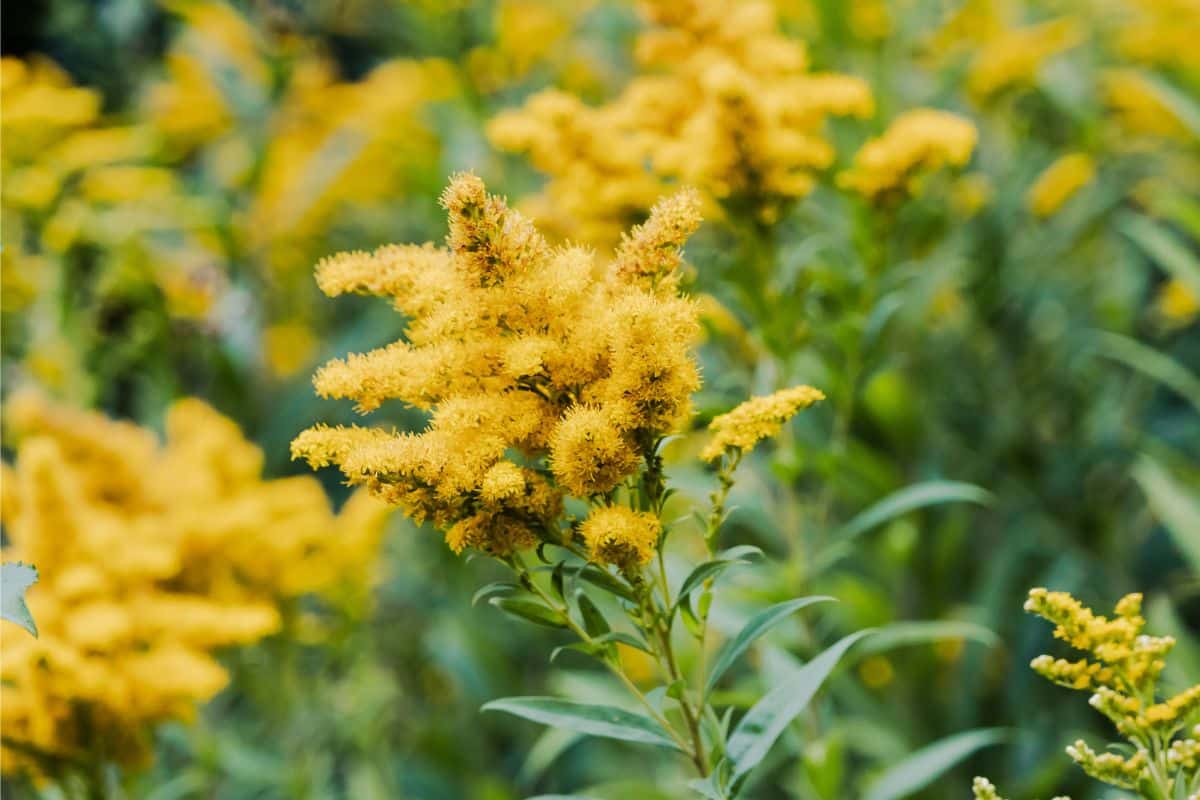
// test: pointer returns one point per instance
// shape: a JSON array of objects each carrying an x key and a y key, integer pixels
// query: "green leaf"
[
  {"x": 495, "y": 588},
  {"x": 762, "y": 725},
  {"x": 711, "y": 569},
  {"x": 902, "y": 634},
  {"x": 741, "y": 552},
  {"x": 593, "y": 621},
  {"x": 605, "y": 721},
  {"x": 529, "y": 610},
  {"x": 1164, "y": 248},
  {"x": 607, "y": 581},
  {"x": 757, "y": 625},
  {"x": 910, "y": 498},
  {"x": 1173, "y": 505},
  {"x": 927, "y": 764},
  {"x": 624, "y": 638},
  {"x": 14, "y": 580},
  {"x": 1151, "y": 363}
]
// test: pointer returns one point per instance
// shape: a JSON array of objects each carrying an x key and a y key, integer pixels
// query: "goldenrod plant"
[
  {"x": 152, "y": 556},
  {"x": 552, "y": 384},
  {"x": 1160, "y": 757}
]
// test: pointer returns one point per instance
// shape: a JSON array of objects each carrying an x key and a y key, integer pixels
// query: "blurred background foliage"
[{"x": 172, "y": 170}]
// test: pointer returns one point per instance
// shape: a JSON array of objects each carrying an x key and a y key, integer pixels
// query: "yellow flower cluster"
[
  {"x": 726, "y": 103},
  {"x": 1138, "y": 107},
  {"x": 1059, "y": 183},
  {"x": 150, "y": 557},
  {"x": 985, "y": 790},
  {"x": 1161, "y": 32},
  {"x": 1122, "y": 670},
  {"x": 1013, "y": 57},
  {"x": 542, "y": 373},
  {"x": 621, "y": 536},
  {"x": 916, "y": 142},
  {"x": 756, "y": 419}
]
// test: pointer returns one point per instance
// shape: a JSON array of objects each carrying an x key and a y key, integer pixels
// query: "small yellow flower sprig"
[
  {"x": 1122, "y": 668},
  {"x": 736, "y": 432}
]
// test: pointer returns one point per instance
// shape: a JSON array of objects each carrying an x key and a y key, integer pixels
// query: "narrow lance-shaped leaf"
[
  {"x": 711, "y": 569},
  {"x": 14, "y": 580},
  {"x": 594, "y": 720},
  {"x": 762, "y": 725},
  {"x": 928, "y": 764},
  {"x": 757, "y": 625},
  {"x": 903, "y": 634},
  {"x": 911, "y": 498},
  {"x": 1176, "y": 507},
  {"x": 1152, "y": 364},
  {"x": 530, "y": 611}
]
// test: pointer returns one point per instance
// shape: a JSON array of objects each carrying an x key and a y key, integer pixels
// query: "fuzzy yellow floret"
[{"x": 620, "y": 536}]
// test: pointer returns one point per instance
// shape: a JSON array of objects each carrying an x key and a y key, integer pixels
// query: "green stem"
[{"x": 613, "y": 665}]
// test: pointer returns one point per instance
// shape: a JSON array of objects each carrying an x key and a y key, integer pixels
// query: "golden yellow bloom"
[
  {"x": 1059, "y": 182},
  {"x": 514, "y": 346},
  {"x": 917, "y": 141},
  {"x": 756, "y": 419},
  {"x": 1014, "y": 57},
  {"x": 621, "y": 536},
  {"x": 726, "y": 104}
]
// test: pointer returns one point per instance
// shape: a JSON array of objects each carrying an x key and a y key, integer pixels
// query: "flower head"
[{"x": 621, "y": 536}]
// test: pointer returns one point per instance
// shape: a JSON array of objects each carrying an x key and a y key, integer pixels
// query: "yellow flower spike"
[
  {"x": 757, "y": 419},
  {"x": 513, "y": 346},
  {"x": 1122, "y": 674},
  {"x": 621, "y": 536},
  {"x": 1061, "y": 181},
  {"x": 917, "y": 141}
]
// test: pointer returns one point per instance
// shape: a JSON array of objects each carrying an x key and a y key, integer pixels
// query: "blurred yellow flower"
[
  {"x": 1177, "y": 303},
  {"x": 1059, "y": 182},
  {"x": 917, "y": 141},
  {"x": 1014, "y": 57},
  {"x": 732, "y": 110}
]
